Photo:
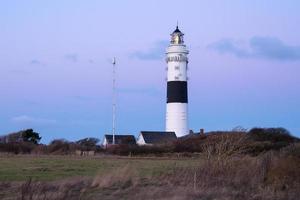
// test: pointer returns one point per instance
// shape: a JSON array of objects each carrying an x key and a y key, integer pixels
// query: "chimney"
[{"x": 202, "y": 131}]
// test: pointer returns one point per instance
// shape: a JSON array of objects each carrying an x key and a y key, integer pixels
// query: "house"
[
  {"x": 119, "y": 140},
  {"x": 155, "y": 137}
]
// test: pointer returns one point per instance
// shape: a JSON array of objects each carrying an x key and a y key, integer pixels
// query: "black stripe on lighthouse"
[{"x": 177, "y": 92}]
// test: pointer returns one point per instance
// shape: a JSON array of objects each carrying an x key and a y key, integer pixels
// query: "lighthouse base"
[{"x": 176, "y": 118}]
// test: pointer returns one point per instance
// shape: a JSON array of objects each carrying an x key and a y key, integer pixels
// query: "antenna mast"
[{"x": 114, "y": 101}]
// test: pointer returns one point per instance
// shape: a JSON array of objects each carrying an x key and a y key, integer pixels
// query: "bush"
[
  {"x": 17, "y": 147},
  {"x": 88, "y": 144},
  {"x": 271, "y": 134},
  {"x": 220, "y": 142},
  {"x": 190, "y": 144},
  {"x": 292, "y": 150},
  {"x": 61, "y": 146},
  {"x": 266, "y": 139}
]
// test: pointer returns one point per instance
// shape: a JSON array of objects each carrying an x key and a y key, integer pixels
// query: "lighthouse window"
[{"x": 177, "y": 67}]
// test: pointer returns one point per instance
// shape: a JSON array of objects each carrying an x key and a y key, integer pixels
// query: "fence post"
[{"x": 195, "y": 181}]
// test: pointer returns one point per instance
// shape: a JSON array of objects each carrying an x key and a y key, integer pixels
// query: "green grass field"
[{"x": 48, "y": 168}]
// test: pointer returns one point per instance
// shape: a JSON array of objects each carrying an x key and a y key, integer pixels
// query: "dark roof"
[
  {"x": 156, "y": 137},
  {"x": 177, "y": 30},
  {"x": 190, "y": 135},
  {"x": 120, "y": 139}
]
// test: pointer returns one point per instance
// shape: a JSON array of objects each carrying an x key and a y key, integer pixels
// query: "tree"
[{"x": 30, "y": 136}]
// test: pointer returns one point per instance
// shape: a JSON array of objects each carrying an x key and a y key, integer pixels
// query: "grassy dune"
[
  {"x": 226, "y": 166},
  {"x": 273, "y": 175}
]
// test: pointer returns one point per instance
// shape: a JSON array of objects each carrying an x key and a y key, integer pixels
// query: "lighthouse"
[{"x": 177, "y": 91}]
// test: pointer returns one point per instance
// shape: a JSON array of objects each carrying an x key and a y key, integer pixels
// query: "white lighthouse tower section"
[
  {"x": 177, "y": 104},
  {"x": 177, "y": 62},
  {"x": 177, "y": 119}
]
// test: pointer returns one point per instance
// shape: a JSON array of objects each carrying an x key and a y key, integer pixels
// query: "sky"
[{"x": 56, "y": 72}]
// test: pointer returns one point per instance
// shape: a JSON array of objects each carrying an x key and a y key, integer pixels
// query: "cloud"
[
  {"x": 27, "y": 120},
  {"x": 72, "y": 57},
  {"x": 156, "y": 52},
  {"x": 36, "y": 62},
  {"x": 268, "y": 48}
]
